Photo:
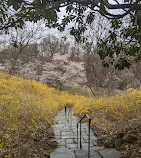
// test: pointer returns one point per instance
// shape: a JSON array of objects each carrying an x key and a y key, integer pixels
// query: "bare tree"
[
  {"x": 94, "y": 70},
  {"x": 19, "y": 40},
  {"x": 51, "y": 45}
]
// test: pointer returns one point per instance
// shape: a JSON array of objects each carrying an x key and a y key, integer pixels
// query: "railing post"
[
  {"x": 80, "y": 136},
  {"x": 88, "y": 133},
  {"x": 68, "y": 114},
  {"x": 65, "y": 111},
  {"x": 77, "y": 135},
  {"x": 89, "y": 139}
]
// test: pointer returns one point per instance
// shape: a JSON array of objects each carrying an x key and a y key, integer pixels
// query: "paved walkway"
[{"x": 66, "y": 133}]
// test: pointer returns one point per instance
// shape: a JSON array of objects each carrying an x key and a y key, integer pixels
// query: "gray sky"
[{"x": 55, "y": 32}]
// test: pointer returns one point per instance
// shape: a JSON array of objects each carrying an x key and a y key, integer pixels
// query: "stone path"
[{"x": 65, "y": 131}]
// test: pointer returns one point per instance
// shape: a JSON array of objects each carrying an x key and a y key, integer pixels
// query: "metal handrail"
[
  {"x": 69, "y": 115},
  {"x": 86, "y": 115}
]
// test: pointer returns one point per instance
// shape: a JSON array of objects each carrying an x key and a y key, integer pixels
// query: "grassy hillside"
[{"x": 27, "y": 109}]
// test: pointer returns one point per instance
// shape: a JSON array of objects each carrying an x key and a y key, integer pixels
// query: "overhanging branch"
[{"x": 126, "y": 6}]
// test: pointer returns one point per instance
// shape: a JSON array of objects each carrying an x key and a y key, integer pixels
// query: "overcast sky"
[{"x": 66, "y": 32}]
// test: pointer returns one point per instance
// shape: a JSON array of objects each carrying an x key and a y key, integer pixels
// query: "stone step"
[{"x": 65, "y": 131}]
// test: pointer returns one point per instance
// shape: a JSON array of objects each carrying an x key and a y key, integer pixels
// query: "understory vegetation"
[{"x": 27, "y": 109}]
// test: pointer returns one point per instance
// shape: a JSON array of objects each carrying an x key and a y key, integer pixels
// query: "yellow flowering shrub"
[
  {"x": 7, "y": 136},
  {"x": 112, "y": 113},
  {"x": 26, "y": 108}
]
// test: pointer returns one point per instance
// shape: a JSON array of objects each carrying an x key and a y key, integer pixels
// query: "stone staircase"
[{"x": 65, "y": 131}]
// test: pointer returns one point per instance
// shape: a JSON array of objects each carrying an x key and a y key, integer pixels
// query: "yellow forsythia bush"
[
  {"x": 115, "y": 113},
  {"x": 26, "y": 108}
]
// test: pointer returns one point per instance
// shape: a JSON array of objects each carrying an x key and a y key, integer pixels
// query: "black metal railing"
[
  {"x": 86, "y": 115},
  {"x": 68, "y": 114}
]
